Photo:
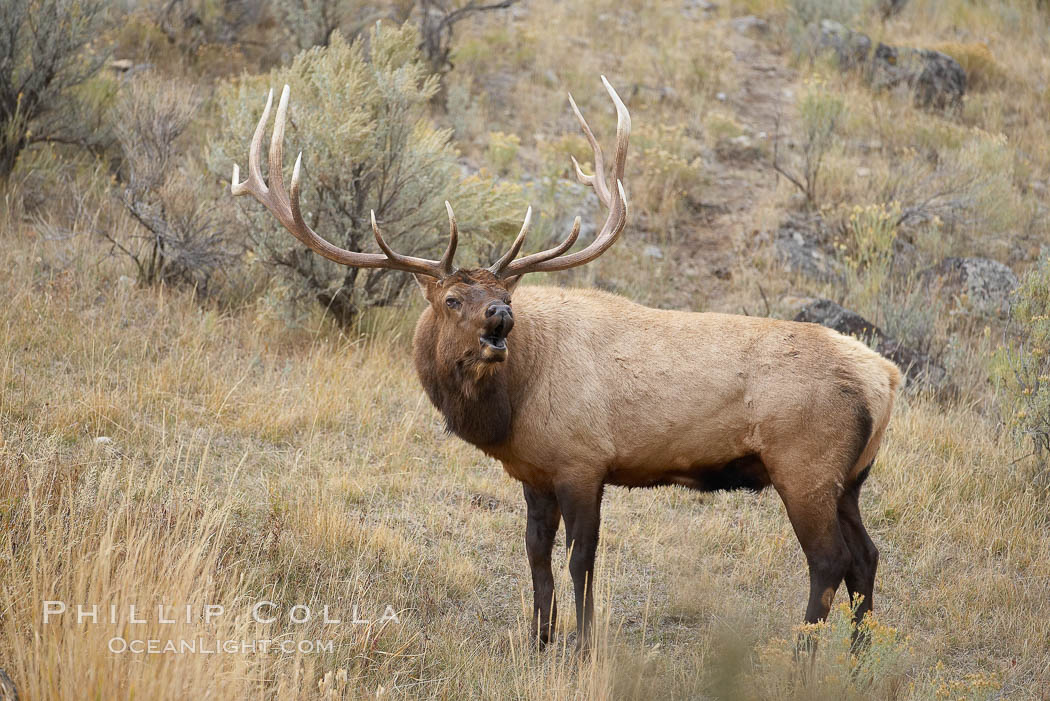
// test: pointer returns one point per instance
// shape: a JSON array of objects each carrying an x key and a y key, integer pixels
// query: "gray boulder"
[
  {"x": 984, "y": 284},
  {"x": 749, "y": 24},
  {"x": 852, "y": 49},
  {"x": 916, "y": 366},
  {"x": 797, "y": 244},
  {"x": 937, "y": 80}
]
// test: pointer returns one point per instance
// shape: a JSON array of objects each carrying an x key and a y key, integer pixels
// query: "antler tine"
[
  {"x": 285, "y": 207},
  {"x": 497, "y": 267},
  {"x": 597, "y": 181},
  {"x": 387, "y": 250},
  {"x": 255, "y": 180},
  {"x": 512, "y": 268},
  {"x": 623, "y": 133},
  {"x": 552, "y": 260},
  {"x": 276, "y": 163},
  {"x": 453, "y": 241}
]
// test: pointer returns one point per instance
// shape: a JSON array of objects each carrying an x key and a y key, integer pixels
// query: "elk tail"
[{"x": 880, "y": 406}]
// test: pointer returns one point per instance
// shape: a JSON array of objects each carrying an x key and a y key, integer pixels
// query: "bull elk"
[{"x": 601, "y": 391}]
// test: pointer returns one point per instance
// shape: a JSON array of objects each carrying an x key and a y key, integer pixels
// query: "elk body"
[{"x": 574, "y": 390}]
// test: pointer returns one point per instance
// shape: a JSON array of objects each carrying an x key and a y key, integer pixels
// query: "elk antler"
[
  {"x": 286, "y": 207},
  {"x": 550, "y": 260}
]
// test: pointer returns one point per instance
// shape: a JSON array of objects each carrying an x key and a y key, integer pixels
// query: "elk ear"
[
  {"x": 426, "y": 284},
  {"x": 511, "y": 282}
]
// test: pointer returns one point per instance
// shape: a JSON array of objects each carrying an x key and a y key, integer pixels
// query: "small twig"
[
  {"x": 776, "y": 162},
  {"x": 765, "y": 299},
  {"x": 1023, "y": 457}
]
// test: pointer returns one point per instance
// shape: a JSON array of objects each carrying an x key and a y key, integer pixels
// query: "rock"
[
  {"x": 792, "y": 305},
  {"x": 749, "y": 24},
  {"x": 103, "y": 440},
  {"x": 986, "y": 284},
  {"x": 937, "y": 79},
  {"x": 668, "y": 93},
  {"x": 863, "y": 172},
  {"x": 916, "y": 366},
  {"x": 737, "y": 148},
  {"x": 834, "y": 316},
  {"x": 702, "y": 5},
  {"x": 721, "y": 97},
  {"x": 797, "y": 246},
  {"x": 653, "y": 252},
  {"x": 851, "y": 48}
]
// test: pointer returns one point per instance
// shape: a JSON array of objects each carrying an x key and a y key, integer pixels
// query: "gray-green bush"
[
  {"x": 181, "y": 238},
  {"x": 1022, "y": 364},
  {"x": 821, "y": 112},
  {"x": 42, "y": 61},
  {"x": 359, "y": 115}
]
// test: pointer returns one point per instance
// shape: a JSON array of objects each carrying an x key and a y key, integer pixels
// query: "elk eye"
[{"x": 452, "y": 303}]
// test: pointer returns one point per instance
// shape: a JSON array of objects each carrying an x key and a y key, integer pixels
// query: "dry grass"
[{"x": 254, "y": 462}]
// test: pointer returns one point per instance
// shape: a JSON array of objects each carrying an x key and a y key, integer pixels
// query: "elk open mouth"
[
  {"x": 494, "y": 342},
  {"x": 494, "y": 347}
]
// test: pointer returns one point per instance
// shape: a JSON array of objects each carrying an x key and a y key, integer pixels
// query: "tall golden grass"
[{"x": 248, "y": 461}]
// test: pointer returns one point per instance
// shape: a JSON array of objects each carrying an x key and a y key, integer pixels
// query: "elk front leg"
[
  {"x": 581, "y": 509},
  {"x": 542, "y": 527}
]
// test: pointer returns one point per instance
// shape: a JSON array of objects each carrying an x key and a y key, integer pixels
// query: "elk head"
[
  {"x": 471, "y": 307},
  {"x": 473, "y": 315}
]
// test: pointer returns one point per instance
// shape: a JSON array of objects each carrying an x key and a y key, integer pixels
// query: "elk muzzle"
[{"x": 499, "y": 320}]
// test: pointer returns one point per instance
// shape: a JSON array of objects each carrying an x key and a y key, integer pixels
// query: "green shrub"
[
  {"x": 42, "y": 61},
  {"x": 820, "y": 114},
  {"x": 313, "y": 22},
  {"x": 1022, "y": 363},
  {"x": 966, "y": 186},
  {"x": 881, "y": 288},
  {"x": 359, "y": 116},
  {"x": 833, "y": 668},
  {"x": 806, "y": 12},
  {"x": 867, "y": 253},
  {"x": 180, "y": 237},
  {"x": 668, "y": 172},
  {"x": 502, "y": 151}
]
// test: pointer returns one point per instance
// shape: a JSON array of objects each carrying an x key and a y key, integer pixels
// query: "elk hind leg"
[
  {"x": 581, "y": 509},
  {"x": 813, "y": 512},
  {"x": 860, "y": 578}
]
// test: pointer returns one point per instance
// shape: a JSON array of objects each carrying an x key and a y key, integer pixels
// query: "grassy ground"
[
  {"x": 248, "y": 461},
  {"x": 159, "y": 449}
]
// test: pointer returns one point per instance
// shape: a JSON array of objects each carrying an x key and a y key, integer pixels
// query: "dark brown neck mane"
[{"x": 476, "y": 406}]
